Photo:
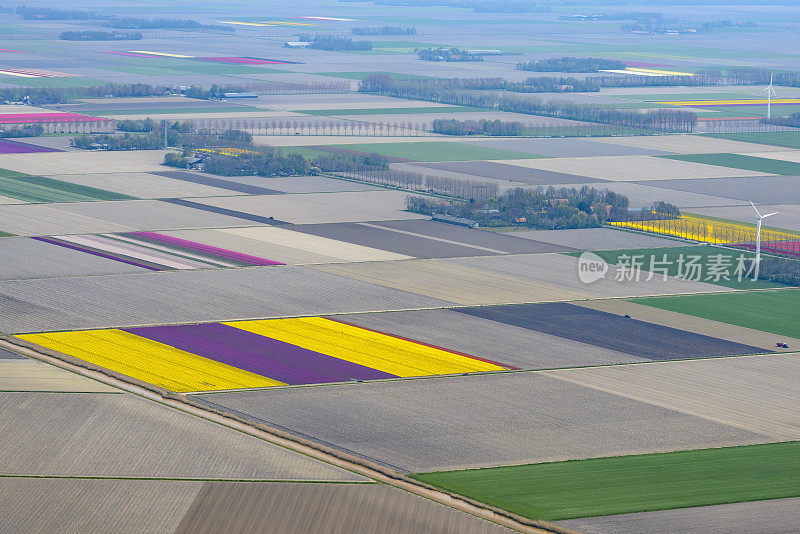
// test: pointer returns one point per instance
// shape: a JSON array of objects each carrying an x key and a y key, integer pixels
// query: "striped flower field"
[
  {"x": 157, "y": 252},
  {"x": 260, "y": 353}
]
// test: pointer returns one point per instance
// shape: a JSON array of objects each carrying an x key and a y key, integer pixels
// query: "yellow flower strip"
[
  {"x": 705, "y": 230},
  {"x": 731, "y": 102},
  {"x": 149, "y": 361},
  {"x": 370, "y": 349}
]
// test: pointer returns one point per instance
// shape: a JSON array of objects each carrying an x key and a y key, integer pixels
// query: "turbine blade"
[
  {"x": 755, "y": 208},
  {"x": 768, "y": 214}
]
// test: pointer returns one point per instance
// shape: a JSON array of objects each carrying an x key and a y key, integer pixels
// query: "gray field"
[
  {"x": 401, "y": 243},
  {"x": 109, "y": 216},
  {"x": 322, "y": 207},
  {"x": 425, "y": 239},
  {"x": 501, "y": 171},
  {"x": 25, "y": 374},
  {"x": 305, "y": 184},
  {"x": 10, "y": 355},
  {"x": 776, "y": 516},
  {"x": 98, "y": 506},
  {"x": 689, "y": 144},
  {"x": 690, "y": 323},
  {"x": 331, "y": 508},
  {"x": 143, "y": 185},
  {"x": 755, "y": 393},
  {"x": 187, "y": 296},
  {"x": 565, "y": 147},
  {"x": 220, "y": 183},
  {"x": 612, "y": 331},
  {"x": 631, "y": 168},
  {"x": 52, "y": 260},
  {"x": 502, "y": 343},
  {"x": 505, "y": 242},
  {"x": 763, "y": 189},
  {"x": 504, "y": 279},
  {"x": 479, "y": 420},
  {"x": 596, "y": 239},
  {"x": 127, "y": 436}
]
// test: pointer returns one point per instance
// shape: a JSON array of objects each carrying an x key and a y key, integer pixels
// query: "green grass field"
[
  {"x": 389, "y": 111},
  {"x": 673, "y": 265},
  {"x": 771, "y": 311},
  {"x": 40, "y": 189},
  {"x": 738, "y": 161},
  {"x": 627, "y": 484},
  {"x": 787, "y": 139},
  {"x": 5, "y": 234},
  {"x": 437, "y": 151}
]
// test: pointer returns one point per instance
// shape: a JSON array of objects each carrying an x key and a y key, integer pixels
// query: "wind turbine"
[
  {"x": 770, "y": 91},
  {"x": 759, "y": 218}
]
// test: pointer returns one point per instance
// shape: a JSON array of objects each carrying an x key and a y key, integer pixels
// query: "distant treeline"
[
  {"x": 447, "y": 54},
  {"x": 173, "y": 24},
  {"x": 571, "y": 64},
  {"x": 549, "y": 84},
  {"x": 90, "y": 35},
  {"x": 384, "y": 30},
  {"x": 792, "y": 120},
  {"x": 127, "y": 141},
  {"x": 32, "y": 130},
  {"x": 211, "y": 93},
  {"x": 58, "y": 95},
  {"x": 132, "y": 125},
  {"x": 533, "y": 208},
  {"x": 327, "y": 42},
  {"x": 43, "y": 13},
  {"x": 416, "y": 89},
  {"x": 481, "y": 127},
  {"x": 483, "y": 6}
]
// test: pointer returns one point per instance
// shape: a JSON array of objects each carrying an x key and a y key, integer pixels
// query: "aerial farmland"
[{"x": 469, "y": 266}]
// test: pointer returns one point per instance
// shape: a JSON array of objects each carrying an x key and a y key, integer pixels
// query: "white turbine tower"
[
  {"x": 770, "y": 91},
  {"x": 759, "y": 218}
]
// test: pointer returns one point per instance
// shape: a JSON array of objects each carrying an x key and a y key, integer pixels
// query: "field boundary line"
[{"x": 286, "y": 440}]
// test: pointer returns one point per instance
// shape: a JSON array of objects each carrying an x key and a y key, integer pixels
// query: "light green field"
[
  {"x": 6, "y": 234},
  {"x": 41, "y": 189},
  {"x": 738, "y": 161},
  {"x": 674, "y": 266},
  {"x": 627, "y": 484},
  {"x": 389, "y": 111},
  {"x": 771, "y": 311},
  {"x": 787, "y": 139},
  {"x": 437, "y": 151}
]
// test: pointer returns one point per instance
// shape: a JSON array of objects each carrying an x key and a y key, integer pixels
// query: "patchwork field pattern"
[{"x": 261, "y": 353}]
